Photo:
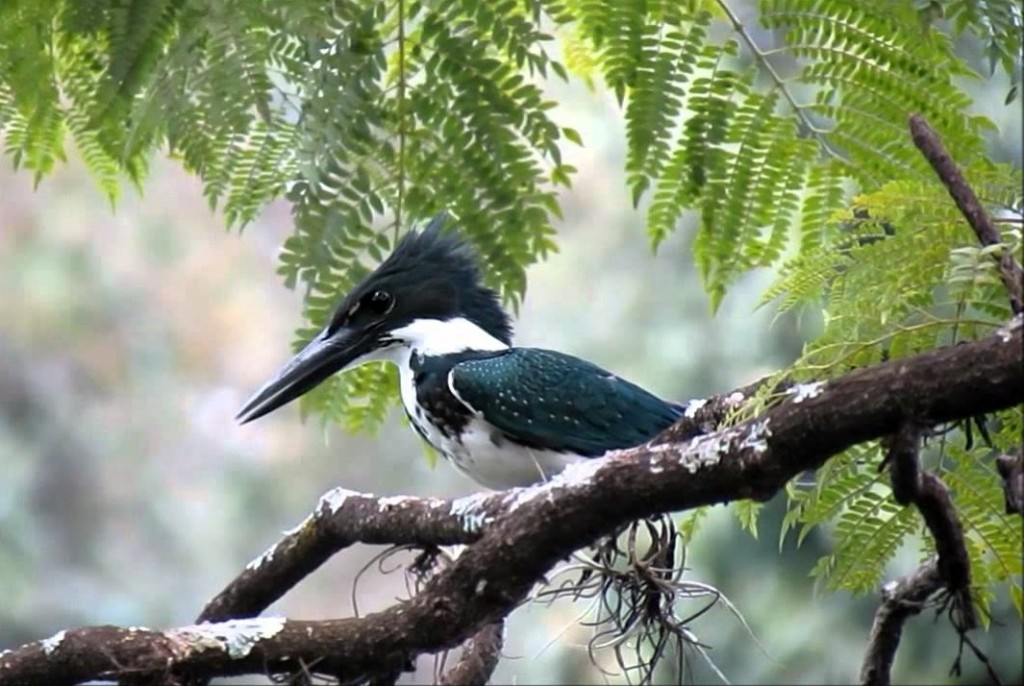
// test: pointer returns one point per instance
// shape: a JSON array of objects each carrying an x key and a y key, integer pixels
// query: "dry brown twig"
[{"x": 928, "y": 142}]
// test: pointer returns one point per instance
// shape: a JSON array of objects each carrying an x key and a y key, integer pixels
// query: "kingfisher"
[{"x": 503, "y": 415}]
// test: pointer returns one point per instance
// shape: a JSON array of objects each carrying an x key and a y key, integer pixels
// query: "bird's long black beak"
[{"x": 322, "y": 357}]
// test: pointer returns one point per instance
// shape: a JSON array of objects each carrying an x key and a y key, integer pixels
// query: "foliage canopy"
[{"x": 784, "y": 127}]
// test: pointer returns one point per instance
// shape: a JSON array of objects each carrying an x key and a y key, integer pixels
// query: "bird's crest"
[
  {"x": 436, "y": 249},
  {"x": 440, "y": 272}
]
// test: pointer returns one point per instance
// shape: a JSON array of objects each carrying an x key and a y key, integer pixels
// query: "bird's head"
[{"x": 426, "y": 296}]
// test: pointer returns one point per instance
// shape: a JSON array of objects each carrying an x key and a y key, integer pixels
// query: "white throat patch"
[
  {"x": 436, "y": 337},
  {"x": 430, "y": 337}
]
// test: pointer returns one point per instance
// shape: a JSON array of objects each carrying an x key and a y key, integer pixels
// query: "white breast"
[
  {"x": 482, "y": 453},
  {"x": 491, "y": 460}
]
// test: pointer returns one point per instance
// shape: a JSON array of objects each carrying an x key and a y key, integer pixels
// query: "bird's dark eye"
[{"x": 378, "y": 302}]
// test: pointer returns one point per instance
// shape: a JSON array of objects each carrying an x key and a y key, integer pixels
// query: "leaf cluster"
[
  {"x": 364, "y": 115},
  {"x": 783, "y": 127}
]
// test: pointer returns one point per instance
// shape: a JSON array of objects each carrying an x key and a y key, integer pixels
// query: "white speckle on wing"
[
  {"x": 49, "y": 645},
  {"x": 694, "y": 406},
  {"x": 803, "y": 391},
  {"x": 235, "y": 637}
]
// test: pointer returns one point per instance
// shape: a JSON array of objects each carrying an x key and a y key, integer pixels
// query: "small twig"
[
  {"x": 930, "y": 145},
  {"x": 480, "y": 655},
  {"x": 901, "y": 599},
  {"x": 993, "y": 676},
  {"x": 1011, "y": 469}
]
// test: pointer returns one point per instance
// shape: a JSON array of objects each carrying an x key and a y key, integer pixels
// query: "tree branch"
[
  {"x": 175, "y": 656},
  {"x": 950, "y": 568},
  {"x": 479, "y": 657},
  {"x": 901, "y": 600},
  {"x": 930, "y": 145},
  {"x": 523, "y": 533},
  {"x": 931, "y": 497},
  {"x": 341, "y": 519}
]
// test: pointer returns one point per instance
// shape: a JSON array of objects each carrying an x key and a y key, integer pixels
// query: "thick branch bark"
[
  {"x": 526, "y": 531},
  {"x": 247, "y": 646}
]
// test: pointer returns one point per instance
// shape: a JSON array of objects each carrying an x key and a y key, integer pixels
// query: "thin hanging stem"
[{"x": 401, "y": 119}]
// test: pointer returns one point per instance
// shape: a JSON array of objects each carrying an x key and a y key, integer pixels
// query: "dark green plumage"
[{"x": 548, "y": 400}]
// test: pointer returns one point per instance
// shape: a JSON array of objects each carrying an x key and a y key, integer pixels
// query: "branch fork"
[{"x": 515, "y": 538}]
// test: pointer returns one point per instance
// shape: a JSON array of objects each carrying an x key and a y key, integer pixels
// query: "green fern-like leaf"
[
  {"x": 668, "y": 50},
  {"x": 373, "y": 115},
  {"x": 868, "y": 534},
  {"x": 690, "y": 523},
  {"x": 748, "y": 511},
  {"x": 994, "y": 539},
  {"x": 997, "y": 22}
]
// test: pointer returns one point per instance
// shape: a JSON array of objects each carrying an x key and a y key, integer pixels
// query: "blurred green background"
[{"x": 130, "y": 336}]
